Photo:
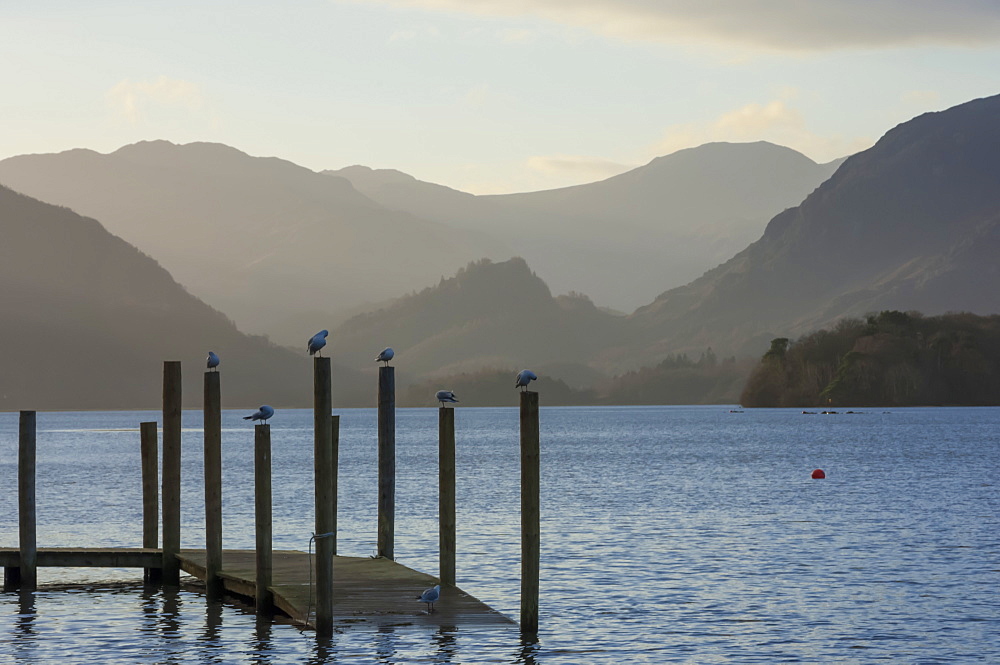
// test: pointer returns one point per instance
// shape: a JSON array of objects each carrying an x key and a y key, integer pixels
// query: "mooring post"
[
  {"x": 171, "y": 491},
  {"x": 262, "y": 513},
  {"x": 213, "y": 482},
  {"x": 446, "y": 494},
  {"x": 150, "y": 495},
  {"x": 387, "y": 462},
  {"x": 334, "y": 474},
  {"x": 530, "y": 513},
  {"x": 27, "y": 515},
  {"x": 325, "y": 516}
]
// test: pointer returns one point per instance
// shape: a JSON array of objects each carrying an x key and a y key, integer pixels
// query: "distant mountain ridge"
[
  {"x": 89, "y": 319},
  {"x": 678, "y": 216},
  {"x": 265, "y": 240},
  {"x": 911, "y": 223}
]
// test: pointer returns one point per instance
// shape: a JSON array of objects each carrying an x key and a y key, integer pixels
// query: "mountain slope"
[
  {"x": 677, "y": 216},
  {"x": 911, "y": 223},
  {"x": 88, "y": 321},
  {"x": 260, "y": 238},
  {"x": 490, "y": 315}
]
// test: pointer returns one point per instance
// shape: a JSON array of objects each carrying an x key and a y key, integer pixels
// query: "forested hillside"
[{"x": 889, "y": 359}]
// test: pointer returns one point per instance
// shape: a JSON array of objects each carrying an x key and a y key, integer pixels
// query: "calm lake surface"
[{"x": 669, "y": 534}]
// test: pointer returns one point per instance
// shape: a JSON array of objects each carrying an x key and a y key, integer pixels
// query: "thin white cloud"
[
  {"x": 776, "y": 121},
  {"x": 797, "y": 25},
  {"x": 129, "y": 98},
  {"x": 575, "y": 167}
]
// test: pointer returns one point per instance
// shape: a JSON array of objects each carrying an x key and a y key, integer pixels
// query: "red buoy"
[{"x": 818, "y": 473}]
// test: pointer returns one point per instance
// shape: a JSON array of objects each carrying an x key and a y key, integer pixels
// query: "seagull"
[
  {"x": 317, "y": 342},
  {"x": 445, "y": 396},
  {"x": 213, "y": 360},
  {"x": 263, "y": 413},
  {"x": 385, "y": 355},
  {"x": 430, "y": 596},
  {"x": 524, "y": 377}
]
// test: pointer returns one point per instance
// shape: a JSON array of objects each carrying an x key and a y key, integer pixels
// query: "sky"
[{"x": 486, "y": 96}]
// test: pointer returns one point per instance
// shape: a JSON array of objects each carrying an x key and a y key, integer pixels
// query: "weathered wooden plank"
[
  {"x": 88, "y": 557},
  {"x": 374, "y": 592}
]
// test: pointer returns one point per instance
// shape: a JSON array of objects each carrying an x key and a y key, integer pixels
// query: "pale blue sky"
[{"x": 485, "y": 95}]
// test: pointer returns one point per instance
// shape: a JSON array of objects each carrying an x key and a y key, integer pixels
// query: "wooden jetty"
[
  {"x": 320, "y": 590},
  {"x": 367, "y": 591}
]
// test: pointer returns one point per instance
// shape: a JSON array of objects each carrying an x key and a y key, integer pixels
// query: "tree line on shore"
[{"x": 888, "y": 359}]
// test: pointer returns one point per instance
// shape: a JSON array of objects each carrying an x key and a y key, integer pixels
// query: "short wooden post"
[
  {"x": 150, "y": 495},
  {"x": 262, "y": 513},
  {"x": 387, "y": 462},
  {"x": 27, "y": 516},
  {"x": 446, "y": 494},
  {"x": 171, "y": 491},
  {"x": 530, "y": 513},
  {"x": 213, "y": 482},
  {"x": 325, "y": 516}
]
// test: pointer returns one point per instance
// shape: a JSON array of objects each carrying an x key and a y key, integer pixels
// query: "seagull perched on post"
[
  {"x": 317, "y": 342},
  {"x": 445, "y": 396},
  {"x": 213, "y": 360},
  {"x": 524, "y": 377},
  {"x": 385, "y": 355},
  {"x": 262, "y": 414},
  {"x": 430, "y": 596}
]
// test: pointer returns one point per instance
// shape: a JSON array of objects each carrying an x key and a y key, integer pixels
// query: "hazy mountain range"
[
  {"x": 277, "y": 247},
  {"x": 281, "y": 249},
  {"x": 677, "y": 216},
  {"x": 912, "y": 223}
]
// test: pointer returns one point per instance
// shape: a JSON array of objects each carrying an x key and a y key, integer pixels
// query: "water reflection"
[
  {"x": 261, "y": 648},
  {"x": 324, "y": 651},
  {"x": 24, "y": 630},
  {"x": 446, "y": 648},
  {"x": 211, "y": 641},
  {"x": 528, "y": 650},
  {"x": 385, "y": 644}
]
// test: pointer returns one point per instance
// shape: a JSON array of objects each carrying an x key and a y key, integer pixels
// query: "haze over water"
[{"x": 669, "y": 534}]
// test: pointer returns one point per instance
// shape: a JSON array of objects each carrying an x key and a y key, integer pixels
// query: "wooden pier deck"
[{"x": 366, "y": 591}]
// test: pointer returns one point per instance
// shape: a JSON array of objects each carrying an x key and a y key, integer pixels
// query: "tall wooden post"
[
  {"x": 150, "y": 495},
  {"x": 387, "y": 462},
  {"x": 171, "y": 491},
  {"x": 325, "y": 516},
  {"x": 27, "y": 516},
  {"x": 262, "y": 513},
  {"x": 334, "y": 474},
  {"x": 530, "y": 512},
  {"x": 446, "y": 494},
  {"x": 213, "y": 482}
]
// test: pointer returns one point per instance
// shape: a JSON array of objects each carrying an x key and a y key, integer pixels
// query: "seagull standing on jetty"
[
  {"x": 385, "y": 355},
  {"x": 317, "y": 342},
  {"x": 524, "y": 377},
  {"x": 262, "y": 414},
  {"x": 430, "y": 596},
  {"x": 213, "y": 360},
  {"x": 445, "y": 396}
]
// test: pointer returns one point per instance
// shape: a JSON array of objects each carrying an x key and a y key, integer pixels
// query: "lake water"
[{"x": 669, "y": 534}]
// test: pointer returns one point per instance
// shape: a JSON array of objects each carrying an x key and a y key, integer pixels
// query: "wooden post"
[
  {"x": 386, "y": 462},
  {"x": 334, "y": 474},
  {"x": 150, "y": 495},
  {"x": 446, "y": 494},
  {"x": 171, "y": 491},
  {"x": 325, "y": 517},
  {"x": 27, "y": 515},
  {"x": 213, "y": 483},
  {"x": 262, "y": 513},
  {"x": 530, "y": 513}
]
